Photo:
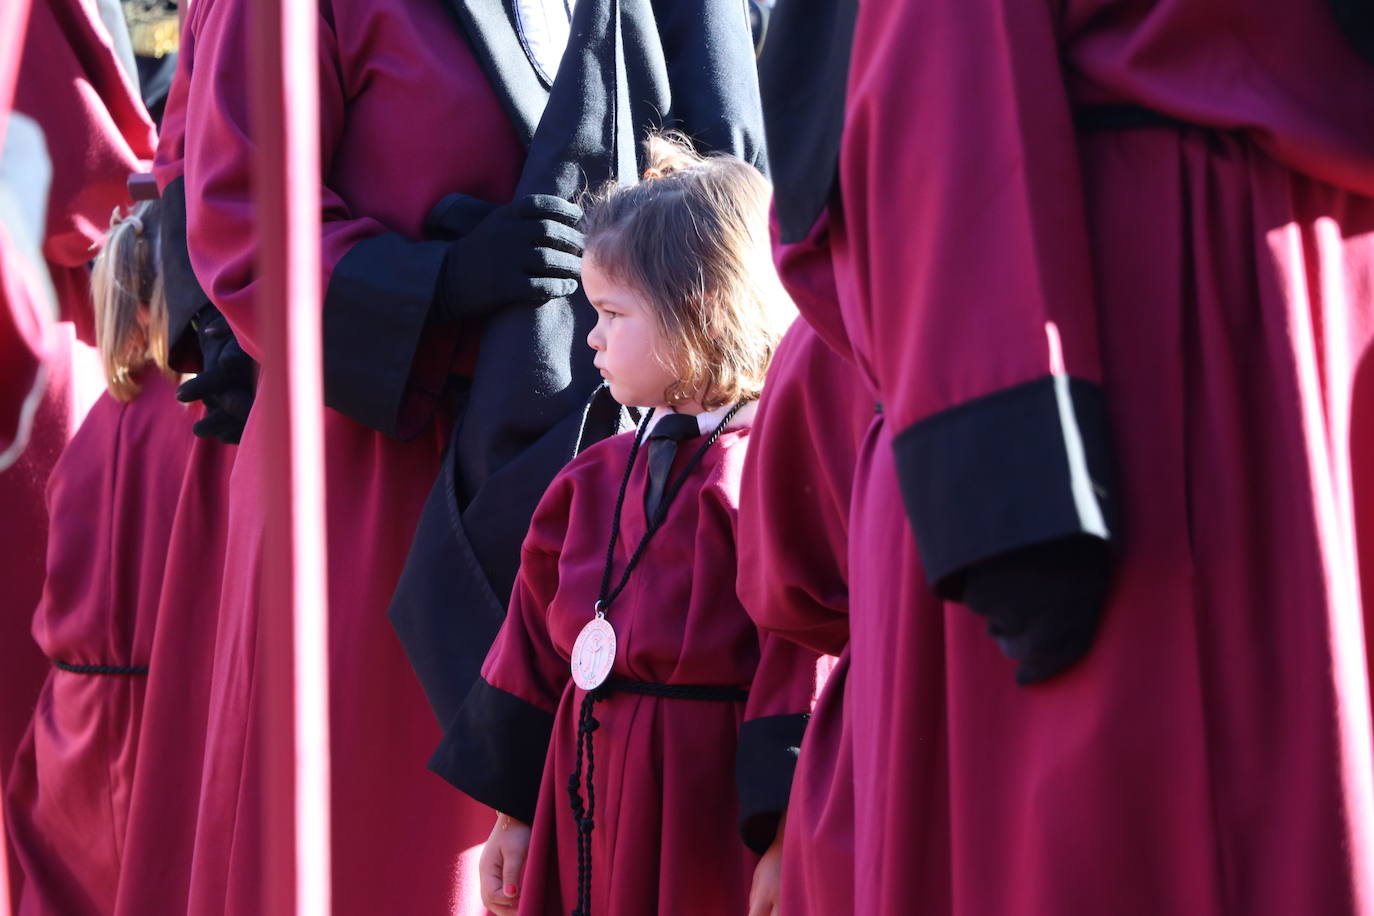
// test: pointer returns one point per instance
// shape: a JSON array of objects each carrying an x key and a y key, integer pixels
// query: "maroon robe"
[
  {"x": 165, "y": 795},
  {"x": 793, "y": 575},
  {"x": 1211, "y": 754},
  {"x": 666, "y": 803},
  {"x": 406, "y": 118},
  {"x": 111, "y": 501},
  {"x": 71, "y": 84}
]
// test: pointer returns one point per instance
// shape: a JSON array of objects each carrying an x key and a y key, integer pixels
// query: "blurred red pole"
[
  {"x": 14, "y": 17},
  {"x": 293, "y": 640}
]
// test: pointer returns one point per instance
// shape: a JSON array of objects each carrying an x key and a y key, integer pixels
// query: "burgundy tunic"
[
  {"x": 793, "y": 575},
  {"x": 71, "y": 84},
  {"x": 406, "y": 117},
  {"x": 111, "y": 501},
  {"x": 666, "y": 806},
  {"x": 1212, "y": 753}
]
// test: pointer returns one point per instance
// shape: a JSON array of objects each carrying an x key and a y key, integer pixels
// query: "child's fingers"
[
  {"x": 512, "y": 869},
  {"x": 489, "y": 876}
]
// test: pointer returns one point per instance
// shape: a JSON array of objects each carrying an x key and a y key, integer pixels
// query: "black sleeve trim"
[
  {"x": 802, "y": 79},
  {"x": 765, "y": 760},
  {"x": 494, "y": 751},
  {"x": 375, "y": 310},
  {"x": 184, "y": 294},
  {"x": 1018, "y": 467}
]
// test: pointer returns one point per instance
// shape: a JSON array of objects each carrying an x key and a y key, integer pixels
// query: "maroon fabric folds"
[
  {"x": 1211, "y": 754},
  {"x": 793, "y": 571},
  {"x": 111, "y": 501},
  {"x": 165, "y": 793},
  {"x": 98, "y": 134},
  {"x": 665, "y": 839},
  {"x": 406, "y": 118}
]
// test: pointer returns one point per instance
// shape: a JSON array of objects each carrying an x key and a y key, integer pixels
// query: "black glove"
[
  {"x": 455, "y": 216},
  {"x": 1042, "y": 602},
  {"x": 227, "y": 381},
  {"x": 524, "y": 253}
]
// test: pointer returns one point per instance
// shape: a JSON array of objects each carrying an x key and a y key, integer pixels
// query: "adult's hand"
[
  {"x": 524, "y": 253},
  {"x": 1042, "y": 602},
  {"x": 227, "y": 382}
]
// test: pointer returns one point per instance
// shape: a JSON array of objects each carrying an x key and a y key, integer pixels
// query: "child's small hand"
[
  {"x": 767, "y": 886},
  {"x": 502, "y": 864}
]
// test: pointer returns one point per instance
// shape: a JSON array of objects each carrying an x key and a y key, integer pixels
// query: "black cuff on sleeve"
[
  {"x": 494, "y": 751},
  {"x": 184, "y": 294},
  {"x": 1024, "y": 465},
  {"x": 765, "y": 760},
  {"x": 375, "y": 310}
]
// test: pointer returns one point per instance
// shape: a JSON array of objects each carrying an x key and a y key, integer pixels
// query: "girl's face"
[{"x": 628, "y": 343}]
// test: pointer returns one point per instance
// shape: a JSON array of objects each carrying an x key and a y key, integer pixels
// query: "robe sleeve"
[
  {"x": 966, "y": 253},
  {"x": 184, "y": 294},
  {"x": 495, "y": 748},
  {"x": 381, "y": 367},
  {"x": 783, "y": 691},
  {"x": 781, "y": 695},
  {"x": 71, "y": 83},
  {"x": 713, "y": 82},
  {"x": 795, "y": 494}
]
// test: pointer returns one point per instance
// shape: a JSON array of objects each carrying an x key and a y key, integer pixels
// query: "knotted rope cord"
[
  {"x": 100, "y": 669},
  {"x": 584, "y": 815}
]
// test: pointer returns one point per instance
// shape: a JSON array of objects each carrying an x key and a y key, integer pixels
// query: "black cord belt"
[
  {"x": 675, "y": 691},
  {"x": 1123, "y": 117},
  {"x": 126, "y": 670},
  {"x": 583, "y": 814}
]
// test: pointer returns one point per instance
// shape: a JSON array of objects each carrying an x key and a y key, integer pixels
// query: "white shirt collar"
[{"x": 707, "y": 422}]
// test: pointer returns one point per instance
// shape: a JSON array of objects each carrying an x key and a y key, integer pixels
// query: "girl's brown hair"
[
  {"x": 693, "y": 239},
  {"x": 130, "y": 307}
]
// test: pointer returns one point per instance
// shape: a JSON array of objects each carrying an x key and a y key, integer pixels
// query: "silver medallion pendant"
[{"x": 593, "y": 654}]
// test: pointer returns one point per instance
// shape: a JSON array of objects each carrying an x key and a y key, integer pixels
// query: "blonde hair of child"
[
  {"x": 692, "y": 238},
  {"x": 130, "y": 307}
]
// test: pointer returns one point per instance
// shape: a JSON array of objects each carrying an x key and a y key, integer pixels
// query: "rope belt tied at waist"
[
  {"x": 583, "y": 814},
  {"x": 126, "y": 670}
]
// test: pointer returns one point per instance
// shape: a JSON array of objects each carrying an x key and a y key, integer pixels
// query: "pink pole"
[{"x": 293, "y": 642}]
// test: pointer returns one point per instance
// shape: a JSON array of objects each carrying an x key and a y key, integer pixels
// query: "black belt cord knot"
[{"x": 584, "y": 814}]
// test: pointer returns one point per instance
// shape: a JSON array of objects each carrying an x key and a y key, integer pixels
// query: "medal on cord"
[{"x": 593, "y": 654}]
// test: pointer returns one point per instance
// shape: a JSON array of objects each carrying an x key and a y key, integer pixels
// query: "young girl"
[
  {"x": 111, "y": 499},
  {"x": 606, "y": 727}
]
